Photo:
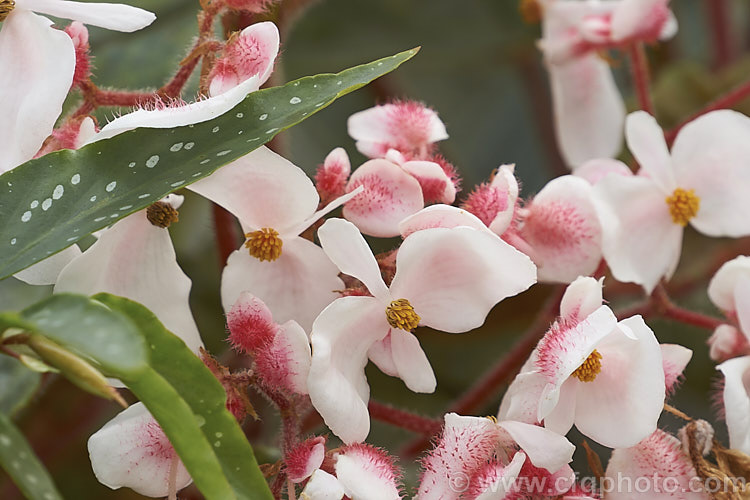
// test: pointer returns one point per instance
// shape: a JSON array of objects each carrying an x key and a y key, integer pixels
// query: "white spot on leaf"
[
  {"x": 58, "y": 192},
  {"x": 75, "y": 179},
  {"x": 26, "y": 216},
  {"x": 176, "y": 147},
  {"x": 189, "y": 145},
  {"x": 295, "y": 100},
  {"x": 111, "y": 186},
  {"x": 46, "y": 204},
  {"x": 152, "y": 161},
  {"x": 263, "y": 116}
]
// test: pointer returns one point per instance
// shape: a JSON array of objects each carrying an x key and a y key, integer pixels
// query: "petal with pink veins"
[
  {"x": 291, "y": 358},
  {"x": 737, "y": 401},
  {"x": 390, "y": 195},
  {"x": 437, "y": 187},
  {"x": 35, "y": 80},
  {"x": 445, "y": 216},
  {"x": 711, "y": 155},
  {"x": 131, "y": 450},
  {"x": 453, "y": 277},
  {"x": 298, "y": 285},
  {"x": 367, "y": 473},
  {"x": 411, "y": 362},
  {"x": 112, "y": 16},
  {"x": 504, "y": 479},
  {"x": 341, "y": 337}
]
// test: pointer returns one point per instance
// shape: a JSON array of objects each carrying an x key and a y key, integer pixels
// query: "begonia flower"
[
  {"x": 495, "y": 202},
  {"x": 332, "y": 176},
  {"x": 275, "y": 202},
  {"x": 736, "y": 401},
  {"x": 281, "y": 352},
  {"x": 132, "y": 450},
  {"x": 479, "y": 458},
  {"x": 588, "y": 109},
  {"x": 604, "y": 377},
  {"x": 702, "y": 182},
  {"x": 729, "y": 290},
  {"x": 38, "y": 64},
  {"x": 655, "y": 468},
  {"x": 447, "y": 279},
  {"x": 407, "y": 126},
  {"x": 135, "y": 259},
  {"x": 302, "y": 461}
]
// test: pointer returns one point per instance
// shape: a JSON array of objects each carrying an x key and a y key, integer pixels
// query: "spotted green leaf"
[
  {"x": 22, "y": 465},
  {"x": 17, "y": 385},
  {"x": 51, "y": 202}
]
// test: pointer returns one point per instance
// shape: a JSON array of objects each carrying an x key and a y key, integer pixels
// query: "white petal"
[
  {"x": 711, "y": 155},
  {"x": 46, "y": 272},
  {"x": 595, "y": 170},
  {"x": 622, "y": 405},
  {"x": 737, "y": 401},
  {"x": 113, "y": 16},
  {"x": 581, "y": 298},
  {"x": 445, "y": 216},
  {"x": 390, "y": 196},
  {"x": 674, "y": 359},
  {"x": 411, "y": 362},
  {"x": 721, "y": 289},
  {"x": 293, "y": 340},
  {"x": 436, "y": 185},
  {"x": 521, "y": 399},
  {"x": 546, "y": 449},
  {"x": 453, "y": 277},
  {"x": 345, "y": 246},
  {"x": 646, "y": 142},
  {"x": 506, "y": 184},
  {"x": 641, "y": 243},
  {"x": 37, "y": 64},
  {"x": 341, "y": 337},
  {"x": 131, "y": 450},
  {"x": 367, "y": 473},
  {"x": 563, "y": 415},
  {"x": 499, "y": 489},
  {"x": 381, "y": 354},
  {"x": 297, "y": 285},
  {"x": 589, "y": 111},
  {"x": 642, "y": 19},
  {"x": 136, "y": 260},
  {"x": 322, "y": 486},
  {"x": 262, "y": 189}
]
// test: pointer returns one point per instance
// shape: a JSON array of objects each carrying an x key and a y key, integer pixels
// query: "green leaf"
[
  {"x": 51, "y": 202},
  {"x": 126, "y": 341},
  {"x": 20, "y": 462},
  {"x": 17, "y": 385}
]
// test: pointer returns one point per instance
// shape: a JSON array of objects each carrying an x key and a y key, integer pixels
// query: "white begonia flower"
[{"x": 736, "y": 399}]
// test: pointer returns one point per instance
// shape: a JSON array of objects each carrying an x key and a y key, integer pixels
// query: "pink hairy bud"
[
  {"x": 305, "y": 458},
  {"x": 251, "y": 326},
  {"x": 79, "y": 34}
]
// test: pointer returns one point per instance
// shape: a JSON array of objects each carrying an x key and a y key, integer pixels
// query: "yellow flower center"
[
  {"x": 162, "y": 214},
  {"x": 683, "y": 205},
  {"x": 264, "y": 244},
  {"x": 590, "y": 368},
  {"x": 6, "y": 7},
  {"x": 401, "y": 315}
]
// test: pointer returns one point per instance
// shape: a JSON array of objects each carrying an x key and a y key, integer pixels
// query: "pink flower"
[
  {"x": 332, "y": 176},
  {"x": 447, "y": 279},
  {"x": 495, "y": 203},
  {"x": 131, "y": 450},
  {"x": 406, "y": 126},
  {"x": 305, "y": 458},
  {"x": 478, "y": 458},
  {"x": 703, "y": 182}
]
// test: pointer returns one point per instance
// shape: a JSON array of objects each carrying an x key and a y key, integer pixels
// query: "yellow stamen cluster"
[
  {"x": 401, "y": 315},
  {"x": 162, "y": 214},
  {"x": 264, "y": 244},
  {"x": 6, "y": 7},
  {"x": 590, "y": 368},
  {"x": 683, "y": 205}
]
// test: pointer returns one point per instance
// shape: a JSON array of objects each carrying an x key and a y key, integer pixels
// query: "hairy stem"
[
  {"x": 641, "y": 79},
  {"x": 403, "y": 419}
]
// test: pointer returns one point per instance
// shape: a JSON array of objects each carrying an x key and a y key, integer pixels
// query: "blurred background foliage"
[{"x": 479, "y": 68}]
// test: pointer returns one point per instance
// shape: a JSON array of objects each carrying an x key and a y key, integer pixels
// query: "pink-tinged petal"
[
  {"x": 262, "y": 189},
  {"x": 251, "y": 53},
  {"x": 38, "y": 63},
  {"x": 322, "y": 486},
  {"x": 641, "y": 243},
  {"x": 521, "y": 400},
  {"x": 332, "y": 176},
  {"x": 546, "y": 449},
  {"x": 565, "y": 347},
  {"x": 405, "y": 126},
  {"x": 737, "y": 401},
  {"x": 436, "y": 186},
  {"x": 660, "y": 458},
  {"x": 381, "y": 354},
  {"x": 727, "y": 342},
  {"x": 595, "y": 170},
  {"x": 305, "y": 458},
  {"x": 465, "y": 445},
  {"x": 445, "y": 216},
  {"x": 251, "y": 324},
  {"x": 646, "y": 141},
  {"x": 330, "y": 207},
  {"x": 297, "y": 285},
  {"x": 622, "y": 405},
  {"x": 581, "y": 298},
  {"x": 285, "y": 364},
  {"x": 46, "y": 272},
  {"x": 721, "y": 289},
  {"x": 112, "y": 16},
  {"x": 674, "y": 359},
  {"x": 345, "y": 246},
  {"x": 643, "y": 20},
  {"x": 390, "y": 196},
  {"x": 494, "y": 203},
  {"x": 136, "y": 260},
  {"x": 368, "y": 473},
  {"x": 562, "y": 416},
  {"x": 411, "y": 362},
  {"x": 589, "y": 111},
  {"x": 742, "y": 301},
  {"x": 497, "y": 482},
  {"x": 171, "y": 117},
  {"x": 453, "y": 277},
  {"x": 131, "y": 450},
  {"x": 562, "y": 228},
  {"x": 711, "y": 155},
  {"x": 341, "y": 337}
]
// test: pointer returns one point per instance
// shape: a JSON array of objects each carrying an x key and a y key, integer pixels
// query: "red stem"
[
  {"x": 227, "y": 235},
  {"x": 404, "y": 419},
  {"x": 641, "y": 79},
  {"x": 664, "y": 306},
  {"x": 718, "y": 16}
]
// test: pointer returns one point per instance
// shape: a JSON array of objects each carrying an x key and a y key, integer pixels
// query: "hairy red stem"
[
  {"x": 641, "y": 79},
  {"x": 664, "y": 306},
  {"x": 718, "y": 17},
  {"x": 403, "y": 419}
]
